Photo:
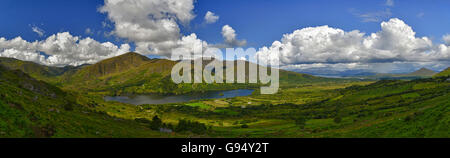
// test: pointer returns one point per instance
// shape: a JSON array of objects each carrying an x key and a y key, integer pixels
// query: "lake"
[{"x": 167, "y": 99}]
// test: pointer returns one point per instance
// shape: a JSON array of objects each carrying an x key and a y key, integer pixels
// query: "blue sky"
[
  {"x": 258, "y": 22},
  {"x": 262, "y": 22}
]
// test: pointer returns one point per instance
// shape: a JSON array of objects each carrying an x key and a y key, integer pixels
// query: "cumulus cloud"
[
  {"x": 210, "y": 17},
  {"x": 38, "y": 30},
  {"x": 396, "y": 42},
  {"x": 151, "y": 24},
  {"x": 229, "y": 34},
  {"x": 446, "y": 39},
  {"x": 390, "y": 3},
  {"x": 60, "y": 50}
]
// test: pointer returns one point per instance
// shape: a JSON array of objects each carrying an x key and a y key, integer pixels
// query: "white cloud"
[
  {"x": 61, "y": 49},
  {"x": 88, "y": 31},
  {"x": 446, "y": 39},
  {"x": 151, "y": 24},
  {"x": 396, "y": 42},
  {"x": 377, "y": 16},
  {"x": 210, "y": 17},
  {"x": 390, "y": 3},
  {"x": 355, "y": 68},
  {"x": 229, "y": 34},
  {"x": 38, "y": 30}
]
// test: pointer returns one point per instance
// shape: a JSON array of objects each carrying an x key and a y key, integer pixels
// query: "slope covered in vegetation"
[
  {"x": 305, "y": 106},
  {"x": 418, "y": 108},
  {"x": 134, "y": 73},
  {"x": 32, "y": 108},
  {"x": 35, "y": 70},
  {"x": 444, "y": 73}
]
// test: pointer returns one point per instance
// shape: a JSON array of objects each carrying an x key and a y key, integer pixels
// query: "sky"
[{"x": 376, "y": 35}]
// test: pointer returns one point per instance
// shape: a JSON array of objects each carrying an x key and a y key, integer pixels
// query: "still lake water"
[{"x": 167, "y": 99}]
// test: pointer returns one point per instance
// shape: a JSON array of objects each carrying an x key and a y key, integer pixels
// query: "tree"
[
  {"x": 300, "y": 122},
  {"x": 193, "y": 126},
  {"x": 156, "y": 123},
  {"x": 337, "y": 119}
]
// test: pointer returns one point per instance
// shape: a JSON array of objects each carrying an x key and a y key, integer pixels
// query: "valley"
[{"x": 42, "y": 101}]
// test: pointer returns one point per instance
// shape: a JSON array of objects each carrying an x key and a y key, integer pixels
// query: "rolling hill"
[
  {"x": 32, "y": 108},
  {"x": 418, "y": 74},
  {"x": 33, "y": 69},
  {"x": 134, "y": 73},
  {"x": 444, "y": 73},
  {"x": 422, "y": 72}
]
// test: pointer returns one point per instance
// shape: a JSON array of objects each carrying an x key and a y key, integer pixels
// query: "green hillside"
[
  {"x": 134, "y": 73},
  {"x": 35, "y": 70},
  {"x": 305, "y": 106},
  {"x": 417, "y": 108},
  {"x": 31, "y": 108},
  {"x": 444, "y": 73}
]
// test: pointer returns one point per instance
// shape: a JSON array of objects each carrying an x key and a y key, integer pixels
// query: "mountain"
[
  {"x": 446, "y": 72},
  {"x": 134, "y": 73},
  {"x": 131, "y": 72},
  {"x": 32, "y": 108},
  {"x": 422, "y": 72},
  {"x": 335, "y": 73},
  {"x": 33, "y": 69},
  {"x": 115, "y": 65}
]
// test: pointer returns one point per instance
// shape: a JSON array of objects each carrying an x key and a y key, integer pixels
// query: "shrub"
[
  {"x": 156, "y": 123},
  {"x": 143, "y": 120},
  {"x": 337, "y": 119},
  {"x": 193, "y": 126},
  {"x": 300, "y": 122}
]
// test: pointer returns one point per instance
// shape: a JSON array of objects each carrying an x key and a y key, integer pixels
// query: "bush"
[
  {"x": 300, "y": 122},
  {"x": 337, "y": 119},
  {"x": 143, "y": 120},
  {"x": 68, "y": 107},
  {"x": 192, "y": 126},
  {"x": 156, "y": 123}
]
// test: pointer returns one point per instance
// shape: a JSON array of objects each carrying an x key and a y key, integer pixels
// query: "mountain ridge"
[
  {"x": 422, "y": 72},
  {"x": 134, "y": 73},
  {"x": 35, "y": 70},
  {"x": 443, "y": 73}
]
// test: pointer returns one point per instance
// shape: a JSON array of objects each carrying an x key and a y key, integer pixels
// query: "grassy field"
[{"x": 417, "y": 108}]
